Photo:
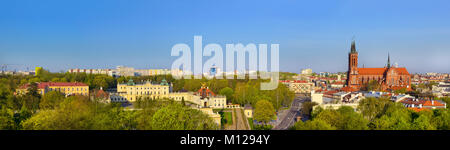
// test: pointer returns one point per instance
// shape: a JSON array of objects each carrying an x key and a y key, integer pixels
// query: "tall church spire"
[
  {"x": 389, "y": 61},
  {"x": 353, "y": 48}
]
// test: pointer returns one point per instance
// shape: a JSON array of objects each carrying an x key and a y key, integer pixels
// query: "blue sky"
[{"x": 59, "y": 35}]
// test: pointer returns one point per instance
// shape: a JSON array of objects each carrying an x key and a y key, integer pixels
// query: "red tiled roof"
[
  {"x": 348, "y": 89},
  {"x": 330, "y": 92},
  {"x": 436, "y": 103},
  {"x": 206, "y": 93},
  {"x": 294, "y": 81},
  {"x": 417, "y": 109},
  {"x": 300, "y": 81},
  {"x": 371, "y": 71},
  {"x": 43, "y": 85},
  {"x": 380, "y": 71},
  {"x": 338, "y": 82},
  {"x": 399, "y": 88},
  {"x": 101, "y": 93}
]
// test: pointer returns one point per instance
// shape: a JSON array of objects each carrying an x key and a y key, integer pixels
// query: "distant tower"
[
  {"x": 389, "y": 62},
  {"x": 213, "y": 70},
  {"x": 352, "y": 67}
]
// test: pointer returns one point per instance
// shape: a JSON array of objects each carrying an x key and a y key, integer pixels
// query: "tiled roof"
[
  {"x": 101, "y": 93},
  {"x": 417, "y": 109},
  {"x": 294, "y": 81},
  {"x": 412, "y": 101},
  {"x": 330, "y": 92},
  {"x": 348, "y": 89},
  {"x": 371, "y": 71},
  {"x": 206, "y": 92},
  {"x": 338, "y": 82},
  {"x": 434, "y": 103},
  {"x": 381, "y": 71}
]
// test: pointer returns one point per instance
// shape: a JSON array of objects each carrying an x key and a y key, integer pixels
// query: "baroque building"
[
  {"x": 389, "y": 78},
  {"x": 131, "y": 91}
]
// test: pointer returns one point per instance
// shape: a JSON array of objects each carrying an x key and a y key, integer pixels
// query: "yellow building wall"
[
  {"x": 153, "y": 91},
  {"x": 248, "y": 113},
  {"x": 77, "y": 90}
]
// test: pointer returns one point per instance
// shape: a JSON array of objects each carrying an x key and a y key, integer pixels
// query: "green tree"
[
  {"x": 228, "y": 92},
  {"x": 351, "y": 120},
  {"x": 394, "y": 117},
  {"x": 51, "y": 100},
  {"x": 7, "y": 119},
  {"x": 446, "y": 100},
  {"x": 177, "y": 117},
  {"x": 441, "y": 119},
  {"x": 114, "y": 118},
  {"x": 264, "y": 111},
  {"x": 399, "y": 91},
  {"x": 373, "y": 85},
  {"x": 423, "y": 121},
  {"x": 307, "y": 108},
  {"x": 313, "y": 125},
  {"x": 371, "y": 107},
  {"x": 183, "y": 102}
]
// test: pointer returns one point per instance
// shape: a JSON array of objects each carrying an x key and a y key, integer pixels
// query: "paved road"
[{"x": 293, "y": 112}]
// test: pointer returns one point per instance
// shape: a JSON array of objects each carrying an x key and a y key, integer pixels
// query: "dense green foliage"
[
  {"x": 239, "y": 91},
  {"x": 177, "y": 117},
  {"x": 78, "y": 112},
  {"x": 54, "y": 111},
  {"x": 307, "y": 108},
  {"x": 33, "y": 111},
  {"x": 264, "y": 111},
  {"x": 376, "y": 114}
]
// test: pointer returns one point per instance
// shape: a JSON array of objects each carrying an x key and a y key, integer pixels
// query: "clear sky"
[{"x": 63, "y": 34}]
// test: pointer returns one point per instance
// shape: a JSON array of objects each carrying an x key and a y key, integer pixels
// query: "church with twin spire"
[{"x": 389, "y": 77}]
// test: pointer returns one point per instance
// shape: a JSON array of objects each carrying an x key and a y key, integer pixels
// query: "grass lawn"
[
  {"x": 227, "y": 117},
  {"x": 218, "y": 110},
  {"x": 250, "y": 122}
]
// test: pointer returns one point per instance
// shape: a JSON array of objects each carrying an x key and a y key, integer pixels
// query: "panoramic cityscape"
[{"x": 359, "y": 98}]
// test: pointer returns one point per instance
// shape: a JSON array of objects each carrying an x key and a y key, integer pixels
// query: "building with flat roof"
[{"x": 299, "y": 86}]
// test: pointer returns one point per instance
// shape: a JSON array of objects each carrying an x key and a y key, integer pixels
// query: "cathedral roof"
[
  {"x": 381, "y": 71},
  {"x": 371, "y": 71}
]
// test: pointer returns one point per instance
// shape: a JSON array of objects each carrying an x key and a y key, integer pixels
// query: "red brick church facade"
[{"x": 389, "y": 77}]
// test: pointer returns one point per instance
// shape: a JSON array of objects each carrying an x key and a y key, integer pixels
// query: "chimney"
[{"x": 432, "y": 102}]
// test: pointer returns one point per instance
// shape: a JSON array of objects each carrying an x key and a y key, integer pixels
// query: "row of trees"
[
  {"x": 237, "y": 91},
  {"x": 376, "y": 114}
]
